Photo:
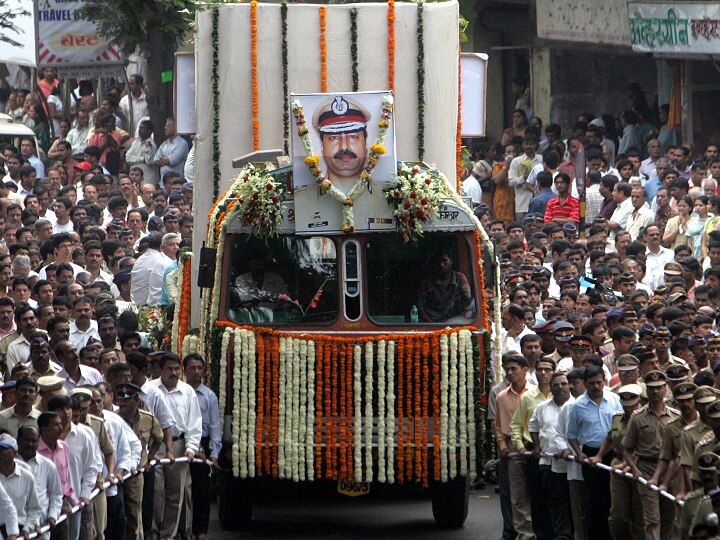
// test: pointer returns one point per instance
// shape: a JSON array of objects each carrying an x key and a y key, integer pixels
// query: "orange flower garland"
[
  {"x": 436, "y": 406},
  {"x": 254, "y": 76},
  {"x": 260, "y": 419},
  {"x": 417, "y": 379},
  {"x": 391, "y": 45},
  {"x": 323, "y": 50},
  {"x": 481, "y": 283},
  {"x": 317, "y": 426},
  {"x": 183, "y": 321}
]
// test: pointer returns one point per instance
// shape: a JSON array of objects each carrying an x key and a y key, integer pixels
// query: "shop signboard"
[{"x": 675, "y": 27}]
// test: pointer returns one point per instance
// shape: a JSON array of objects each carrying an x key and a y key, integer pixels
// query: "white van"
[{"x": 11, "y": 131}]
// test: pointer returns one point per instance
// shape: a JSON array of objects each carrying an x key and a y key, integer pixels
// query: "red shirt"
[{"x": 570, "y": 209}]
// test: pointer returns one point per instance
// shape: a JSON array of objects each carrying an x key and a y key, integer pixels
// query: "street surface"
[{"x": 281, "y": 516}]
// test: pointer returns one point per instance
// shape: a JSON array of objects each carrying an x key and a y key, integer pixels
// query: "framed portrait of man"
[{"x": 342, "y": 127}]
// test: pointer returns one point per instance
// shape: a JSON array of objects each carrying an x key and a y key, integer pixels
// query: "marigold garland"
[
  {"x": 410, "y": 349},
  {"x": 323, "y": 50},
  {"x": 400, "y": 409},
  {"x": 275, "y": 404},
  {"x": 485, "y": 320},
  {"x": 391, "y": 44},
  {"x": 425, "y": 409},
  {"x": 319, "y": 405},
  {"x": 254, "y": 76},
  {"x": 354, "y": 49},
  {"x": 417, "y": 411}
]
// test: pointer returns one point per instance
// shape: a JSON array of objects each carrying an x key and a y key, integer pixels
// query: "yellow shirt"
[{"x": 519, "y": 431}]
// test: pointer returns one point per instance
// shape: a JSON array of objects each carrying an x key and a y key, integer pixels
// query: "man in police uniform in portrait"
[{"x": 342, "y": 126}]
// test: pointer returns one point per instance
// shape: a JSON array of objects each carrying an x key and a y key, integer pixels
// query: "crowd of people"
[
  {"x": 93, "y": 223},
  {"x": 609, "y": 241}
]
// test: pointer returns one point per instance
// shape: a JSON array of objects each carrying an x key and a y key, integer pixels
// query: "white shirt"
[
  {"x": 516, "y": 180},
  {"x": 655, "y": 266},
  {"x": 621, "y": 214},
  {"x": 471, "y": 188},
  {"x": 636, "y": 224},
  {"x": 80, "y": 338},
  {"x": 20, "y": 486},
  {"x": 128, "y": 447},
  {"x": 8, "y": 514},
  {"x": 57, "y": 228},
  {"x": 88, "y": 376},
  {"x": 47, "y": 486},
  {"x": 18, "y": 352},
  {"x": 574, "y": 469},
  {"x": 139, "y": 109},
  {"x": 185, "y": 408},
  {"x": 513, "y": 343},
  {"x": 85, "y": 460},
  {"x": 176, "y": 150},
  {"x": 76, "y": 270},
  {"x": 141, "y": 154},
  {"x": 156, "y": 405},
  {"x": 140, "y": 276},
  {"x": 545, "y": 423},
  {"x": 155, "y": 284}
]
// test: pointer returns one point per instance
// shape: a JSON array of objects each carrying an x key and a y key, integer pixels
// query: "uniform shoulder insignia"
[
  {"x": 708, "y": 438},
  {"x": 673, "y": 411},
  {"x": 695, "y": 494},
  {"x": 690, "y": 426}
]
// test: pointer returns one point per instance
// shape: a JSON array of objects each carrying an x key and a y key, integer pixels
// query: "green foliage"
[{"x": 131, "y": 21}]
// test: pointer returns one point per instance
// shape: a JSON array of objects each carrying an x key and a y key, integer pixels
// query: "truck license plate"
[{"x": 353, "y": 489}]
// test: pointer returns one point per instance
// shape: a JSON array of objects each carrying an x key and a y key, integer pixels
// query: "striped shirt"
[{"x": 570, "y": 209}]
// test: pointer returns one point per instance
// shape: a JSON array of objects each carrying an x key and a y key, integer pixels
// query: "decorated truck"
[{"x": 341, "y": 301}]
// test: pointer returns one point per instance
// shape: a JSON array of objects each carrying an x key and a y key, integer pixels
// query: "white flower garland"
[
  {"x": 312, "y": 160},
  {"x": 281, "y": 409},
  {"x": 368, "y": 411},
  {"x": 302, "y": 411},
  {"x": 357, "y": 412},
  {"x": 390, "y": 416},
  {"x": 291, "y": 427},
  {"x": 462, "y": 399},
  {"x": 252, "y": 404},
  {"x": 241, "y": 405},
  {"x": 189, "y": 345},
  {"x": 453, "y": 384},
  {"x": 470, "y": 385},
  {"x": 444, "y": 407},
  {"x": 236, "y": 420},
  {"x": 310, "y": 419},
  {"x": 381, "y": 410},
  {"x": 175, "y": 330},
  {"x": 222, "y": 386}
]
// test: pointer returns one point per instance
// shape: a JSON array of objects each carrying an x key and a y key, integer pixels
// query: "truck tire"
[
  {"x": 450, "y": 502},
  {"x": 234, "y": 502}
]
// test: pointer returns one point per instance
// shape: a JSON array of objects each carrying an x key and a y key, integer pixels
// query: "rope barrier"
[
  {"x": 154, "y": 463},
  {"x": 611, "y": 470}
]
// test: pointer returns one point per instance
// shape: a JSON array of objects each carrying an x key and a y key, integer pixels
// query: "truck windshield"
[
  {"x": 430, "y": 281},
  {"x": 284, "y": 280}
]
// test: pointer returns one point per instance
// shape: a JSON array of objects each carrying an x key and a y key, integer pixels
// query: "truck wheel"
[
  {"x": 450, "y": 502},
  {"x": 234, "y": 502}
]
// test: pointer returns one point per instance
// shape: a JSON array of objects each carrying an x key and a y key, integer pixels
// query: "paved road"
[{"x": 283, "y": 516}]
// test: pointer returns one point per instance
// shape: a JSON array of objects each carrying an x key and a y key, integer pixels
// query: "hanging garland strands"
[
  {"x": 215, "y": 82},
  {"x": 285, "y": 68},
  {"x": 391, "y": 44},
  {"x": 323, "y": 50},
  {"x": 458, "y": 140},
  {"x": 421, "y": 80},
  {"x": 354, "y": 49},
  {"x": 254, "y": 76}
]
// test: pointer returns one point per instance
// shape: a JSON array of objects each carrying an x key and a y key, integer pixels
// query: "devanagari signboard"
[{"x": 673, "y": 28}]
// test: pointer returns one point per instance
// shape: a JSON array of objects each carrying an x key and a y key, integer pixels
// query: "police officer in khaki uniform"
[
  {"x": 710, "y": 441},
  {"x": 642, "y": 443},
  {"x": 628, "y": 370},
  {"x": 625, "y": 520},
  {"x": 707, "y": 470},
  {"x": 666, "y": 477},
  {"x": 148, "y": 430},
  {"x": 676, "y": 374},
  {"x": 692, "y": 434}
]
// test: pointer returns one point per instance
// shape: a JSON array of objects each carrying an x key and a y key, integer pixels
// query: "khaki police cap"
[
  {"x": 708, "y": 462},
  {"x": 704, "y": 395},
  {"x": 677, "y": 372},
  {"x": 53, "y": 384},
  {"x": 627, "y": 362},
  {"x": 629, "y": 394},
  {"x": 655, "y": 378},
  {"x": 713, "y": 410},
  {"x": 684, "y": 390}
]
